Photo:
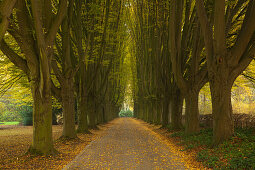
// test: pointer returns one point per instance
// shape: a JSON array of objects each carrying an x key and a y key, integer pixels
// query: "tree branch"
[
  {"x": 245, "y": 35},
  {"x": 206, "y": 29},
  {"x": 243, "y": 63},
  {"x": 57, "y": 71},
  {"x": 14, "y": 57},
  {"x": 6, "y": 8},
  {"x": 56, "y": 92},
  {"x": 56, "y": 23},
  {"x": 219, "y": 27}
]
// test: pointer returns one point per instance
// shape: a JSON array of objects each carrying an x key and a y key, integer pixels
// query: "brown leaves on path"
[{"x": 189, "y": 157}]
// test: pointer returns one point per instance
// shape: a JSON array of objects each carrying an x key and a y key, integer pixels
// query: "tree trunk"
[
  {"x": 104, "y": 118},
  {"x": 150, "y": 112},
  {"x": 223, "y": 127},
  {"x": 68, "y": 102},
  {"x": 145, "y": 111},
  {"x": 154, "y": 112},
  {"x": 100, "y": 115},
  {"x": 191, "y": 112},
  {"x": 140, "y": 108},
  {"x": 176, "y": 110},
  {"x": 82, "y": 116},
  {"x": 165, "y": 114},
  {"x": 42, "y": 142},
  {"x": 135, "y": 110},
  {"x": 90, "y": 105},
  {"x": 107, "y": 111},
  {"x": 98, "y": 112},
  {"x": 159, "y": 112}
]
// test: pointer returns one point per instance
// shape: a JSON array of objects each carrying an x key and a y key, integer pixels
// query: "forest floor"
[
  {"x": 132, "y": 144},
  {"x": 122, "y": 143},
  {"x": 15, "y": 141}
]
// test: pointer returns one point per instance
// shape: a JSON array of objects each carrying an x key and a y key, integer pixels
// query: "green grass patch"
[
  {"x": 236, "y": 153},
  {"x": 9, "y": 123}
]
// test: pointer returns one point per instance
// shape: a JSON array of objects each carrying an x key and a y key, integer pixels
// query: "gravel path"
[{"x": 128, "y": 144}]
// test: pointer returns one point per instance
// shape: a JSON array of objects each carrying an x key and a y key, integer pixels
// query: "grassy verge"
[
  {"x": 236, "y": 153},
  {"x": 9, "y": 123}
]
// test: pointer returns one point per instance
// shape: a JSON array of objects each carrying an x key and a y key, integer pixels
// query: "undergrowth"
[{"x": 235, "y": 153}]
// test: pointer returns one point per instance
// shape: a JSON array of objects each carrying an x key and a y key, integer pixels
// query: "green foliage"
[
  {"x": 204, "y": 137},
  {"x": 27, "y": 115},
  {"x": 236, "y": 153},
  {"x": 9, "y": 110},
  {"x": 9, "y": 116},
  {"x": 126, "y": 113}
]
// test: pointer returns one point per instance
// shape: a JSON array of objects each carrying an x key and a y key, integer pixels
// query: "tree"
[
  {"x": 34, "y": 27},
  {"x": 230, "y": 47},
  {"x": 65, "y": 75},
  {"x": 189, "y": 69}
]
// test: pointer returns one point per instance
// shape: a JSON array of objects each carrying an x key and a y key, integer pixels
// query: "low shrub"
[{"x": 27, "y": 115}]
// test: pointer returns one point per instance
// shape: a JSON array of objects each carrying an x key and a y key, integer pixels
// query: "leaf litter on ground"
[{"x": 15, "y": 141}]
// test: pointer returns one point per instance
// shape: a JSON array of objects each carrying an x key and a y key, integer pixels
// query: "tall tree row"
[
  {"x": 158, "y": 98},
  {"x": 181, "y": 45},
  {"x": 71, "y": 50}
]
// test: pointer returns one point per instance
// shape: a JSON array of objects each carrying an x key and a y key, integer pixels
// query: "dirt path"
[{"x": 128, "y": 144}]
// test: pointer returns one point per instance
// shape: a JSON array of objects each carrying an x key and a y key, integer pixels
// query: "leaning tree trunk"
[
  {"x": 176, "y": 104},
  {"x": 191, "y": 112},
  {"x": 223, "y": 127},
  {"x": 42, "y": 142},
  {"x": 68, "y": 103}
]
